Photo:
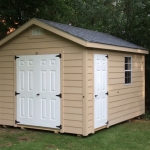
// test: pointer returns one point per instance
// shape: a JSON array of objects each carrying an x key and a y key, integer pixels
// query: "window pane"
[
  {"x": 127, "y": 66},
  {"x": 129, "y": 80},
  {"x": 37, "y": 31},
  {"x": 126, "y": 80},
  {"x": 129, "y": 74},
  {"x": 126, "y": 59},
  {"x": 127, "y": 77},
  {"x": 126, "y": 74},
  {"x": 129, "y": 59}
]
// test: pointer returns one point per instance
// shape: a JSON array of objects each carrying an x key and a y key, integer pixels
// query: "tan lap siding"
[
  {"x": 50, "y": 40},
  {"x": 125, "y": 101},
  {"x": 73, "y": 90},
  {"x": 6, "y": 89},
  {"x": 90, "y": 81},
  {"x": 71, "y": 73}
]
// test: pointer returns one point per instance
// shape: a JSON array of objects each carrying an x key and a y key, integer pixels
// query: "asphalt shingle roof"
[{"x": 91, "y": 36}]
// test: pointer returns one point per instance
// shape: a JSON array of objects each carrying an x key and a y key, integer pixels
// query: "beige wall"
[
  {"x": 73, "y": 90},
  {"x": 6, "y": 88},
  {"x": 124, "y": 101},
  {"x": 71, "y": 76},
  {"x": 90, "y": 89}
]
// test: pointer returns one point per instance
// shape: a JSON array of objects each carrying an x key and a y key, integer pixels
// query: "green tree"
[{"x": 14, "y": 13}]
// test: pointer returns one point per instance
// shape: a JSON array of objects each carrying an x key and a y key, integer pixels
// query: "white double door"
[
  {"x": 38, "y": 83},
  {"x": 100, "y": 90}
]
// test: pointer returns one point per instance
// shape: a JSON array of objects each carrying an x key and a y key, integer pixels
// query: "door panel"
[
  {"x": 38, "y": 82},
  {"x": 48, "y": 87},
  {"x": 100, "y": 90},
  {"x": 30, "y": 107},
  {"x": 26, "y": 79},
  {"x": 53, "y": 109}
]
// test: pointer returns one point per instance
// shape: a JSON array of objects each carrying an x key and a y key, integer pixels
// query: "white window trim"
[{"x": 128, "y": 70}]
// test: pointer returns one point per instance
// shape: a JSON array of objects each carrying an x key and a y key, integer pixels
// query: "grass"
[{"x": 125, "y": 136}]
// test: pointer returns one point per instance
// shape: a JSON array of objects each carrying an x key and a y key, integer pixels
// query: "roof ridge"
[{"x": 73, "y": 26}]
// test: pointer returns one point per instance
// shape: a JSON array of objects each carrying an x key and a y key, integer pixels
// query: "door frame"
[
  {"x": 99, "y": 53},
  {"x": 46, "y": 52}
]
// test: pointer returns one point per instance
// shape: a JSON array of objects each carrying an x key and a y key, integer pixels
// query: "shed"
[{"x": 68, "y": 79}]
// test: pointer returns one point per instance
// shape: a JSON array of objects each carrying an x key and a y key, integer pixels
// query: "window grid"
[{"x": 128, "y": 70}]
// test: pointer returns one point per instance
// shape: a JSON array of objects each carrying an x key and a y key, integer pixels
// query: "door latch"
[
  {"x": 38, "y": 94},
  {"x": 96, "y": 95}
]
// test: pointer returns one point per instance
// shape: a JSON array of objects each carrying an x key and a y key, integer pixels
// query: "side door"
[{"x": 100, "y": 90}]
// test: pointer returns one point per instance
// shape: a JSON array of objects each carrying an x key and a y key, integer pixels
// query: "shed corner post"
[
  {"x": 85, "y": 94},
  {"x": 144, "y": 83}
]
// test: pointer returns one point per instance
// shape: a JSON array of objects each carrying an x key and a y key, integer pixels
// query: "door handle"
[
  {"x": 96, "y": 95},
  {"x": 38, "y": 94}
]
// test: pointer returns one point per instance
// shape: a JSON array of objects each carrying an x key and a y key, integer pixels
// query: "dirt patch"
[
  {"x": 2, "y": 130},
  {"x": 7, "y": 144},
  {"x": 10, "y": 130},
  {"x": 21, "y": 139},
  {"x": 50, "y": 146},
  {"x": 141, "y": 120}
]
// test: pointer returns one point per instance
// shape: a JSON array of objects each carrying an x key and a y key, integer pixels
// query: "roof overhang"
[{"x": 69, "y": 37}]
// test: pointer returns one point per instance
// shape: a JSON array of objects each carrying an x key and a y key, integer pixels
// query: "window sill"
[{"x": 128, "y": 84}]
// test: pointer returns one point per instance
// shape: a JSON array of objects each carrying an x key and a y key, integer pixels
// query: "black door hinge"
[
  {"x": 107, "y": 122},
  {"x": 58, "y": 55},
  {"x": 59, "y": 95},
  {"x": 16, "y": 122},
  {"x": 106, "y": 56},
  {"x": 16, "y": 57},
  {"x": 60, "y": 127},
  {"x": 106, "y": 93},
  {"x": 16, "y": 93}
]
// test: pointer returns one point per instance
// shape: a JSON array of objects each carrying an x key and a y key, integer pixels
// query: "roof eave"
[{"x": 116, "y": 48}]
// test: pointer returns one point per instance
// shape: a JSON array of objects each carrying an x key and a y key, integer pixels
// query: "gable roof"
[
  {"x": 92, "y": 36},
  {"x": 84, "y": 37}
]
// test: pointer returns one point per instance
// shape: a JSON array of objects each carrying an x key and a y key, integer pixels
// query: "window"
[
  {"x": 37, "y": 31},
  {"x": 128, "y": 72}
]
